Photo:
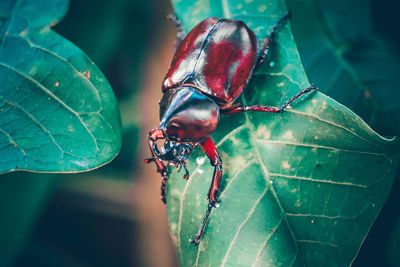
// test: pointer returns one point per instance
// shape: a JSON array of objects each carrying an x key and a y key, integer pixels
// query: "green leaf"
[
  {"x": 339, "y": 50},
  {"x": 301, "y": 188},
  {"x": 57, "y": 110}
]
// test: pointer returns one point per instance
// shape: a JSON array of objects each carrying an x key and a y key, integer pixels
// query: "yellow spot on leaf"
[
  {"x": 262, "y": 8},
  {"x": 263, "y": 132},
  {"x": 281, "y": 84},
  {"x": 288, "y": 135},
  {"x": 285, "y": 164},
  {"x": 70, "y": 128},
  {"x": 23, "y": 33},
  {"x": 33, "y": 70},
  {"x": 87, "y": 74}
]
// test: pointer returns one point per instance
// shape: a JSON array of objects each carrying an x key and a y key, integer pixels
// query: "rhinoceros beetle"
[{"x": 210, "y": 69}]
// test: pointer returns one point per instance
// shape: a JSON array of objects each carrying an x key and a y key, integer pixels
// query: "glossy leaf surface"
[
  {"x": 57, "y": 110},
  {"x": 301, "y": 188}
]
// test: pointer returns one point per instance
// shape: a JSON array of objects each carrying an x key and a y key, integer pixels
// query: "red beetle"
[{"x": 210, "y": 69}]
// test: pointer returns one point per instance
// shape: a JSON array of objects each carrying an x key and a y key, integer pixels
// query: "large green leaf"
[
  {"x": 57, "y": 111},
  {"x": 301, "y": 188}
]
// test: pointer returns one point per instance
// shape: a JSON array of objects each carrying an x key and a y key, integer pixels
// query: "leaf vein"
[
  {"x": 36, "y": 121},
  {"x": 70, "y": 65},
  {"x": 12, "y": 142},
  {"x": 317, "y": 146},
  {"x": 333, "y": 124},
  {"x": 318, "y": 242},
  {"x": 317, "y": 181},
  {"x": 266, "y": 241},
  {"x": 266, "y": 176},
  {"x": 181, "y": 202},
  {"x": 47, "y": 91},
  {"x": 242, "y": 224}
]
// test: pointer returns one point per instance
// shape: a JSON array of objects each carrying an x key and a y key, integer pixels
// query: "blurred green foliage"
[{"x": 20, "y": 203}]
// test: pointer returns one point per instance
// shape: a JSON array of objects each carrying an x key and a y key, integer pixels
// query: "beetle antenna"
[
  {"x": 268, "y": 41},
  {"x": 178, "y": 24},
  {"x": 307, "y": 90}
]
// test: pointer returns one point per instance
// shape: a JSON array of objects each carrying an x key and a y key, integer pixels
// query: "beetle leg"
[
  {"x": 187, "y": 174},
  {"x": 267, "y": 41},
  {"x": 154, "y": 135},
  {"x": 212, "y": 153},
  {"x": 163, "y": 189},
  {"x": 178, "y": 24},
  {"x": 238, "y": 109}
]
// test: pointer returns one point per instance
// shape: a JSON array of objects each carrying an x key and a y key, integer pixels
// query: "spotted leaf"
[{"x": 57, "y": 110}]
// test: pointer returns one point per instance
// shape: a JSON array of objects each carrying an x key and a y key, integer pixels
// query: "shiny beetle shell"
[
  {"x": 187, "y": 115},
  {"x": 217, "y": 56}
]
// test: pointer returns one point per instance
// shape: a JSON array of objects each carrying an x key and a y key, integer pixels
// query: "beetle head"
[
  {"x": 187, "y": 115},
  {"x": 173, "y": 152},
  {"x": 187, "y": 118}
]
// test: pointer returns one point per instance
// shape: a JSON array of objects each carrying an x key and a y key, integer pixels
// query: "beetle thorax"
[{"x": 187, "y": 115}]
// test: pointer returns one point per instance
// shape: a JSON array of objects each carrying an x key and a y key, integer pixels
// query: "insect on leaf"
[
  {"x": 57, "y": 110},
  {"x": 301, "y": 188}
]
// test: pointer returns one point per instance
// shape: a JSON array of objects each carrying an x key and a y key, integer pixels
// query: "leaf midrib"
[{"x": 269, "y": 184}]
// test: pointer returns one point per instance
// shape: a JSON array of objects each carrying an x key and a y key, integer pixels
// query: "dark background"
[{"x": 113, "y": 216}]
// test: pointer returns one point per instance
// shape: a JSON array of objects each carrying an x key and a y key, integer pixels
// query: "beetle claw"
[
  {"x": 195, "y": 241},
  {"x": 179, "y": 166},
  {"x": 187, "y": 174}
]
